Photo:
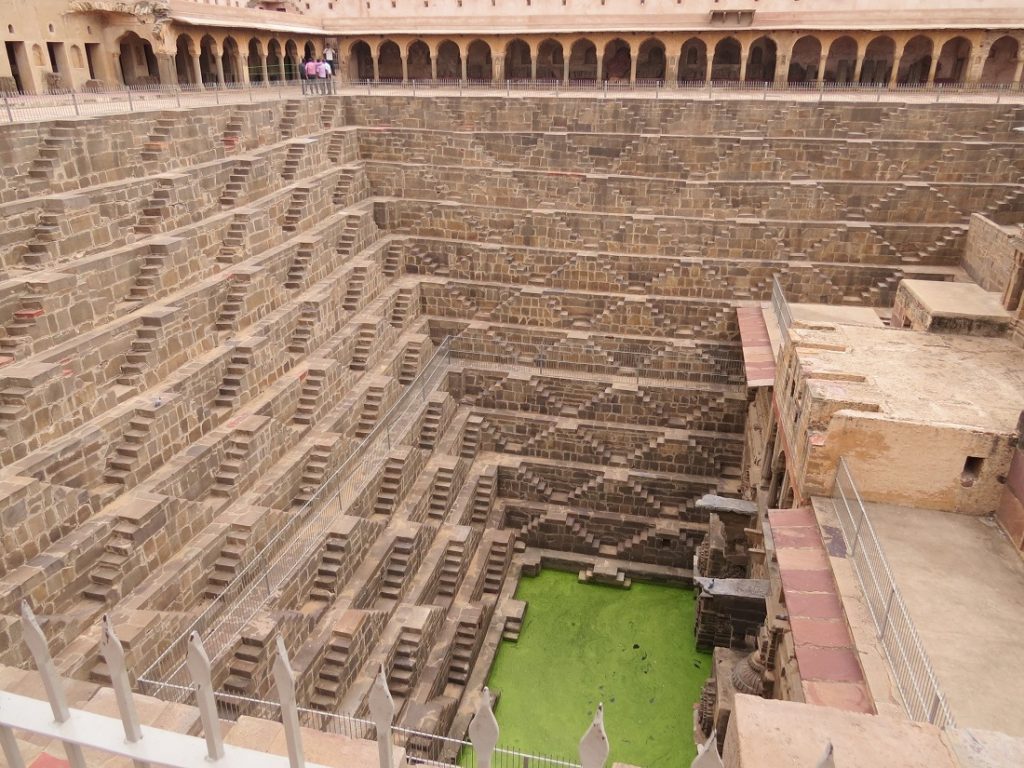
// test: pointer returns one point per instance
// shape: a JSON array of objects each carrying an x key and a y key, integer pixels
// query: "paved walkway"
[{"x": 62, "y": 106}]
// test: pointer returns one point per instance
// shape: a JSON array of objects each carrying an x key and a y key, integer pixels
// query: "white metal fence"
[
  {"x": 147, "y": 746},
  {"x": 67, "y": 103},
  {"x": 780, "y": 307},
  {"x": 915, "y": 679}
]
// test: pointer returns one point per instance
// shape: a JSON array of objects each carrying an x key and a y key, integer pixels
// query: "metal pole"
[
  {"x": 37, "y": 646},
  {"x": 10, "y": 748},
  {"x": 885, "y": 618}
]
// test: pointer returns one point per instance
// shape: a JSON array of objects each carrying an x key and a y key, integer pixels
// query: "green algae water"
[{"x": 582, "y": 644}]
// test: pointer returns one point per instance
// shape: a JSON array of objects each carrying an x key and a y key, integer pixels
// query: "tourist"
[
  {"x": 310, "y": 70},
  {"x": 323, "y": 73},
  {"x": 329, "y": 58}
]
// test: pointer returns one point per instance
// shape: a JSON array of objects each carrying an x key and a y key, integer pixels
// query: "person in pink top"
[{"x": 310, "y": 72}]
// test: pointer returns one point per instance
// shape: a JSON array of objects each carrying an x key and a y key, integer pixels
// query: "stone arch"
[
  {"x": 761, "y": 58},
  {"x": 841, "y": 64},
  {"x": 954, "y": 60},
  {"x": 726, "y": 62},
  {"x": 291, "y": 60},
  {"x": 309, "y": 50},
  {"x": 275, "y": 62},
  {"x": 255, "y": 61},
  {"x": 137, "y": 60},
  {"x": 650, "y": 60},
  {"x": 76, "y": 57},
  {"x": 583, "y": 60},
  {"x": 1001, "y": 62},
  {"x": 183, "y": 57},
  {"x": 208, "y": 58},
  {"x": 518, "y": 60},
  {"x": 879, "y": 57},
  {"x": 360, "y": 61},
  {"x": 449, "y": 61},
  {"x": 230, "y": 60},
  {"x": 916, "y": 61},
  {"x": 418, "y": 63},
  {"x": 617, "y": 61},
  {"x": 37, "y": 55},
  {"x": 478, "y": 61},
  {"x": 550, "y": 60},
  {"x": 693, "y": 61},
  {"x": 805, "y": 60},
  {"x": 389, "y": 61}
]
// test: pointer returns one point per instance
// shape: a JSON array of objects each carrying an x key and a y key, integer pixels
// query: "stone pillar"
[
  {"x": 782, "y": 68},
  {"x": 743, "y": 66},
  {"x": 632, "y": 66},
  {"x": 376, "y": 68},
  {"x": 498, "y": 67},
  {"x": 709, "y": 66},
  {"x": 859, "y": 68},
  {"x": 932, "y": 69},
  {"x": 672, "y": 69},
  {"x": 433, "y": 67},
  {"x": 600, "y": 67},
  {"x": 565, "y": 66},
  {"x": 1019, "y": 72},
  {"x": 266, "y": 72},
  {"x": 197, "y": 68},
  {"x": 405, "y": 69},
  {"x": 220, "y": 66},
  {"x": 975, "y": 67},
  {"x": 166, "y": 69},
  {"x": 895, "y": 69},
  {"x": 243, "y": 66},
  {"x": 465, "y": 65},
  {"x": 533, "y": 67},
  {"x": 822, "y": 63}
]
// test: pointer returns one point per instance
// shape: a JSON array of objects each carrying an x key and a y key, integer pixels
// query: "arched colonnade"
[{"x": 888, "y": 59}]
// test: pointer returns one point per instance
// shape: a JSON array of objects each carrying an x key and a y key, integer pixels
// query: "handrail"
[{"x": 911, "y": 669}]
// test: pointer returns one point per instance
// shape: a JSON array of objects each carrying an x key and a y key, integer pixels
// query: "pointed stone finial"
[
  {"x": 707, "y": 753},
  {"x": 594, "y": 747},
  {"x": 827, "y": 760},
  {"x": 483, "y": 731},
  {"x": 382, "y": 710}
]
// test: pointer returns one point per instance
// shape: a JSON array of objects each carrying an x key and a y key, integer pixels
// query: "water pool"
[{"x": 584, "y": 643}]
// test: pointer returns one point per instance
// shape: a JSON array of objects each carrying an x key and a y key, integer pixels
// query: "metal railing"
[
  {"x": 254, "y": 587},
  {"x": 125, "y": 736},
  {"x": 780, "y": 308},
  {"x": 915, "y": 679},
  {"x": 65, "y": 103}
]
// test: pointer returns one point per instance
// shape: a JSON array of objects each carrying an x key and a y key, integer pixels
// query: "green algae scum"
[{"x": 582, "y": 644}]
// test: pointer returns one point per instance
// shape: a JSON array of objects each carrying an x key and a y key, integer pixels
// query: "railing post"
[
  {"x": 284, "y": 678},
  {"x": 36, "y": 642},
  {"x": 113, "y": 654},
  {"x": 885, "y": 617},
  {"x": 199, "y": 668},
  {"x": 382, "y": 710},
  {"x": 10, "y": 748},
  {"x": 483, "y": 731}
]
